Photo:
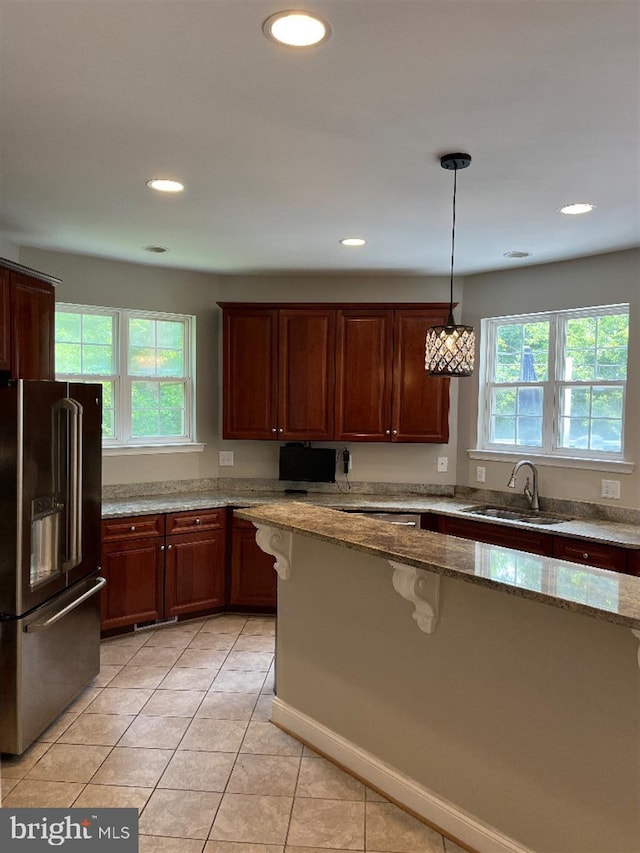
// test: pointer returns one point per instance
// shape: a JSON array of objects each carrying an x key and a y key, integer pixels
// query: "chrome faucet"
[{"x": 531, "y": 495}]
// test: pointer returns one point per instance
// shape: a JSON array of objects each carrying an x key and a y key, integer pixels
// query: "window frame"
[
  {"x": 552, "y": 387},
  {"x": 122, "y": 380}
]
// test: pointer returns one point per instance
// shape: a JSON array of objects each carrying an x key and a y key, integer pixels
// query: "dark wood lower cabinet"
[
  {"x": 134, "y": 571},
  {"x": 532, "y": 541},
  {"x": 254, "y": 581},
  {"x": 194, "y": 572},
  {"x": 159, "y": 566},
  {"x": 588, "y": 553}
]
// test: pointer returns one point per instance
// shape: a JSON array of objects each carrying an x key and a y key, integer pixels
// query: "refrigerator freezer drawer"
[{"x": 46, "y": 658}]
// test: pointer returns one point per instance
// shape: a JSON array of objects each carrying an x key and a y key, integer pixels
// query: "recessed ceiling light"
[
  {"x": 352, "y": 241},
  {"x": 576, "y": 209},
  {"x": 296, "y": 28},
  {"x": 164, "y": 185},
  {"x": 159, "y": 250},
  {"x": 517, "y": 254}
]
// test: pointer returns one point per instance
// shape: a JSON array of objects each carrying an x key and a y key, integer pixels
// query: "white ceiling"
[{"x": 285, "y": 151}]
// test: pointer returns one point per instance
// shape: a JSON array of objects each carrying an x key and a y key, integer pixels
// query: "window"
[
  {"x": 143, "y": 361},
  {"x": 555, "y": 383}
]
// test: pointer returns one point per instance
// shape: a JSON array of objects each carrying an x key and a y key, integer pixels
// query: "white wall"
[
  {"x": 9, "y": 250},
  {"x": 597, "y": 280},
  {"x": 587, "y": 281},
  {"x": 94, "y": 281}
]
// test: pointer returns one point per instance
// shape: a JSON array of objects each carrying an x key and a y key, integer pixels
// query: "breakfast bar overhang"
[{"x": 493, "y": 693}]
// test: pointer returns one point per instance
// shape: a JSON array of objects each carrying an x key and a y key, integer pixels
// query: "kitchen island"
[{"x": 493, "y": 693}]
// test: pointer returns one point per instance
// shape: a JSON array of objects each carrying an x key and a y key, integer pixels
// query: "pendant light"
[{"x": 450, "y": 349}]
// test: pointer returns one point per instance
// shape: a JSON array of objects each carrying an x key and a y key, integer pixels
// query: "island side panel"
[{"x": 523, "y": 715}]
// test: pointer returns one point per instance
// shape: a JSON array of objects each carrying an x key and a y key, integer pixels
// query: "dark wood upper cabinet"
[
  {"x": 278, "y": 373},
  {"x": 27, "y": 322},
  {"x": 364, "y": 373},
  {"x": 383, "y": 392},
  {"x": 306, "y": 374},
  {"x": 331, "y": 372},
  {"x": 250, "y": 373},
  {"x": 5, "y": 321},
  {"x": 420, "y": 407}
]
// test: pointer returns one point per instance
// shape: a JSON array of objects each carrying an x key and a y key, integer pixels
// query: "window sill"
[
  {"x": 615, "y": 465},
  {"x": 147, "y": 449}
]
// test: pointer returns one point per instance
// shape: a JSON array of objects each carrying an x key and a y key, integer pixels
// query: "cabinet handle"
[
  {"x": 198, "y": 521},
  {"x": 132, "y": 529}
]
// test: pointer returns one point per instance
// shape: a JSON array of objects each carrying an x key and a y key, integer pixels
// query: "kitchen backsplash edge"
[{"x": 575, "y": 509}]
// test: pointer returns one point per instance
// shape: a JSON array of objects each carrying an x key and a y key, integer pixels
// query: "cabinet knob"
[
  {"x": 585, "y": 556},
  {"x": 162, "y": 547},
  {"x": 281, "y": 429},
  {"x": 169, "y": 547},
  {"x": 132, "y": 529},
  {"x": 394, "y": 431},
  {"x": 387, "y": 432},
  {"x": 198, "y": 521},
  {"x": 273, "y": 429}
]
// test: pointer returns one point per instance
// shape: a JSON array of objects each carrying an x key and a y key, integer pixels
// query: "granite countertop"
[
  {"x": 593, "y": 592},
  {"x": 613, "y": 533}
]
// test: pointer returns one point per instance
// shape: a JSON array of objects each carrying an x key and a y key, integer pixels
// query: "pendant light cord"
[{"x": 453, "y": 243}]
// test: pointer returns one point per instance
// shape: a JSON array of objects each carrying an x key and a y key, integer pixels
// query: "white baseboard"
[{"x": 401, "y": 789}]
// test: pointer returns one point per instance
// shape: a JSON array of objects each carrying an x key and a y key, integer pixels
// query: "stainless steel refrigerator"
[{"x": 50, "y": 488}]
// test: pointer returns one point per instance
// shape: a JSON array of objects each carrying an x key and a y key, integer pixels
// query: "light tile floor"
[{"x": 177, "y": 726}]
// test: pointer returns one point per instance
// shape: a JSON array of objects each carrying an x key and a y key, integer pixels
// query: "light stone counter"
[
  {"x": 594, "y": 592},
  {"x": 613, "y": 533}
]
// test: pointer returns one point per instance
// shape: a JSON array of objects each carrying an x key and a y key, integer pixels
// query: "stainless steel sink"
[{"x": 513, "y": 515}]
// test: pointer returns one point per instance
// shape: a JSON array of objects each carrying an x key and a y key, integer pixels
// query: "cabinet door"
[
  {"x": 364, "y": 350},
  {"x": 597, "y": 554},
  {"x": 134, "y": 591},
  {"x": 194, "y": 572},
  {"x": 306, "y": 374},
  {"x": 517, "y": 538},
  {"x": 5, "y": 323},
  {"x": 32, "y": 327},
  {"x": 250, "y": 364},
  {"x": 253, "y": 579},
  {"x": 420, "y": 409}
]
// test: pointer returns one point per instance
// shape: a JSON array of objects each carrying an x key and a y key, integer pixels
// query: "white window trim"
[
  {"x": 122, "y": 384},
  {"x": 551, "y": 455}
]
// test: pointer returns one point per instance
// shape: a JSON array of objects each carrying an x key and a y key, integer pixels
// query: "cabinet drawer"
[
  {"x": 133, "y": 527},
  {"x": 590, "y": 553},
  {"x": 192, "y": 522}
]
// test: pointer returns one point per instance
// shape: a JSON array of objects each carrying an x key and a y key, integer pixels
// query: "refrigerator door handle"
[
  {"x": 74, "y": 555},
  {"x": 42, "y": 626}
]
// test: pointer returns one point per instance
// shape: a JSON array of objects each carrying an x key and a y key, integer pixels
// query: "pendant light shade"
[{"x": 450, "y": 349}]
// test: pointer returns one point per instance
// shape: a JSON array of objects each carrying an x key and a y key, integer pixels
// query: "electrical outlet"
[
  {"x": 225, "y": 457},
  {"x": 480, "y": 473},
  {"x": 443, "y": 464},
  {"x": 346, "y": 461},
  {"x": 610, "y": 489}
]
